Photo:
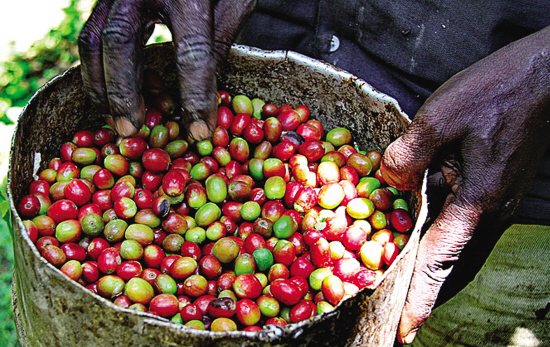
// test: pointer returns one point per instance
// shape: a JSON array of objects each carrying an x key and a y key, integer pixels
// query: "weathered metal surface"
[{"x": 52, "y": 310}]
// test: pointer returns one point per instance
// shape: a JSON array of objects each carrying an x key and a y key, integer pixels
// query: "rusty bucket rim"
[{"x": 237, "y": 50}]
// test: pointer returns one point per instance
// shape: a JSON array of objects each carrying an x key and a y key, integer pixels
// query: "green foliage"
[
  {"x": 8, "y": 333},
  {"x": 24, "y": 73},
  {"x": 20, "y": 77}
]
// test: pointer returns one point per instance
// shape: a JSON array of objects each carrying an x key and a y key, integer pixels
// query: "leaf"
[
  {"x": 6, "y": 241},
  {"x": 4, "y": 208},
  {"x": 3, "y": 188}
]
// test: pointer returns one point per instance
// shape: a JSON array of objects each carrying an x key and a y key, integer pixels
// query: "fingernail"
[
  {"x": 110, "y": 121},
  {"x": 407, "y": 340},
  {"x": 394, "y": 179},
  {"x": 125, "y": 127},
  {"x": 388, "y": 175},
  {"x": 199, "y": 130}
]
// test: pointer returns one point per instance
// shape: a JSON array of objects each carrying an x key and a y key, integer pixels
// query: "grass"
[
  {"x": 20, "y": 77},
  {"x": 8, "y": 333}
]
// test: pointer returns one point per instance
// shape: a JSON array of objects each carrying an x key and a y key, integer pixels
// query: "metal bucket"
[{"x": 51, "y": 310}]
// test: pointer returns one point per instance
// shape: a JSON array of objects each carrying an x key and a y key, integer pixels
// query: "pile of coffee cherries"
[{"x": 271, "y": 221}]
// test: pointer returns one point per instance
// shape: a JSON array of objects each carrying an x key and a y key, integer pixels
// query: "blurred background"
[{"x": 38, "y": 41}]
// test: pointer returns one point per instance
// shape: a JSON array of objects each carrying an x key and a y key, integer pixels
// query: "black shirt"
[{"x": 404, "y": 48}]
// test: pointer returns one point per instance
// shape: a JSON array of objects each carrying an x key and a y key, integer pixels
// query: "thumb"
[{"x": 407, "y": 158}]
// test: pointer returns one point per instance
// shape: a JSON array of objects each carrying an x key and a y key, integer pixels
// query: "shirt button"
[{"x": 334, "y": 44}]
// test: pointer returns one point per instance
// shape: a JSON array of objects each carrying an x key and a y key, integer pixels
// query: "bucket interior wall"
[{"x": 52, "y": 310}]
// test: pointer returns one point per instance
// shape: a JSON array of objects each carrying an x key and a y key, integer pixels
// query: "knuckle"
[
  {"x": 465, "y": 211},
  {"x": 398, "y": 170},
  {"x": 248, "y": 6},
  {"x": 435, "y": 264},
  {"x": 193, "y": 51},
  {"x": 437, "y": 273},
  {"x": 89, "y": 39},
  {"x": 119, "y": 32}
]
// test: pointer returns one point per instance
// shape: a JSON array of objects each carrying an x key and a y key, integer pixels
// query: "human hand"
[
  {"x": 111, "y": 44},
  {"x": 488, "y": 127}
]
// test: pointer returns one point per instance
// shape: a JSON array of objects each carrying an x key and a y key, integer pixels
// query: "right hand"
[
  {"x": 111, "y": 44},
  {"x": 488, "y": 128}
]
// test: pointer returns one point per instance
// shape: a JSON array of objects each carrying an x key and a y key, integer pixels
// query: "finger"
[
  {"x": 229, "y": 17},
  {"x": 434, "y": 127},
  {"x": 192, "y": 32},
  {"x": 122, "y": 49},
  {"x": 407, "y": 158},
  {"x": 90, "y": 50},
  {"x": 439, "y": 248},
  {"x": 436, "y": 180},
  {"x": 448, "y": 176}
]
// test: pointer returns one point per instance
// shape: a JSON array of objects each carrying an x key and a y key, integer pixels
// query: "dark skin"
[
  {"x": 112, "y": 40},
  {"x": 489, "y": 125},
  {"x": 486, "y": 128}
]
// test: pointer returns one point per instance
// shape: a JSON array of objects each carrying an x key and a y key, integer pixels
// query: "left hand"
[
  {"x": 112, "y": 40},
  {"x": 493, "y": 117}
]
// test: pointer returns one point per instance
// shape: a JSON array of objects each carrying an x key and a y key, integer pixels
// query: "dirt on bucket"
[{"x": 52, "y": 310}]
